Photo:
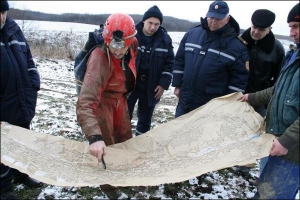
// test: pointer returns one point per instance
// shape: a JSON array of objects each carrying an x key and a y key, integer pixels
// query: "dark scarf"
[{"x": 266, "y": 44}]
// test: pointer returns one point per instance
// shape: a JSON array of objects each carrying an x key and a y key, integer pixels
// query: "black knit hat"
[
  {"x": 294, "y": 14},
  {"x": 4, "y": 6},
  {"x": 153, "y": 12},
  {"x": 263, "y": 18}
]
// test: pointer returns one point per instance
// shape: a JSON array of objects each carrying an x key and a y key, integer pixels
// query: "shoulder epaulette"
[{"x": 242, "y": 40}]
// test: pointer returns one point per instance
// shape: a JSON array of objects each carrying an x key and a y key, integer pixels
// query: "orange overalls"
[{"x": 102, "y": 107}]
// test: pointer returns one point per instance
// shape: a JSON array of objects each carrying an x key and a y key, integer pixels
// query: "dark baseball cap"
[{"x": 218, "y": 9}]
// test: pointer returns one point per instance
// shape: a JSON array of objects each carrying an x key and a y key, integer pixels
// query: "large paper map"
[{"x": 220, "y": 134}]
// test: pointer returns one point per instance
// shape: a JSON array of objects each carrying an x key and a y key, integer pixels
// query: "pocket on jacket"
[{"x": 291, "y": 108}]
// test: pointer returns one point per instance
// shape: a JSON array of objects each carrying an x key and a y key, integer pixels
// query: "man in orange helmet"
[{"x": 102, "y": 110}]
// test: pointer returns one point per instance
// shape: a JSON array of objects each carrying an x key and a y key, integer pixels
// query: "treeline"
[{"x": 172, "y": 24}]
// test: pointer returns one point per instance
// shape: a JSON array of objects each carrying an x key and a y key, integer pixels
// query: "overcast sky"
[{"x": 189, "y": 10}]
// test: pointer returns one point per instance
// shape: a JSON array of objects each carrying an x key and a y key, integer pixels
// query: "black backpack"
[{"x": 95, "y": 38}]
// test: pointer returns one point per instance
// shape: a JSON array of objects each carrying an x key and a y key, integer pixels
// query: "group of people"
[{"x": 135, "y": 65}]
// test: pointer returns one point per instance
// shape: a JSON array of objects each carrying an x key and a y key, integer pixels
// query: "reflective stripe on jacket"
[
  {"x": 20, "y": 78},
  {"x": 210, "y": 64}
]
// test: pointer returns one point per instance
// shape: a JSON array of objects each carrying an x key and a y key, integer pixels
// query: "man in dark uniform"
[
  {"x": 211, "y": 61},
  {"x": 20, "y": 82},
  {"x": 154, "y": 65}
]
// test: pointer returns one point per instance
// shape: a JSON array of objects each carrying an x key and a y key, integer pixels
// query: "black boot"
[
  {"x": 111, "y": 191},
  {"x": 19, "y": 177},
  {"x": 29, "y": 182},
  {"x": 6, "y": 185}
]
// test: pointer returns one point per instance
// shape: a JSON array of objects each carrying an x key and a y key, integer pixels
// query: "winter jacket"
[
  {"x": 210, "y": 64},
  {"x": 102, "y": 104},
  {"x": 20, "y": 79},
  {"x": 160, "y": 64},
  {"x": 266, "y": 57},
  {"x": 282, "y": 118}
]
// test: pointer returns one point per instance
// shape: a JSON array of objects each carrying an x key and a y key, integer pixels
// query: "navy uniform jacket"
[
  {"x": 210, "y": 64},
  {"x": 161, "y": 62},
  {"x": 20, "y": 79}
]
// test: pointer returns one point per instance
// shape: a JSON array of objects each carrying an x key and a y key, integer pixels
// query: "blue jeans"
[
  {"x": 262, "y": 164},
  {"x": 180, "y": 110},
  {"x": 278, "y": 180}
]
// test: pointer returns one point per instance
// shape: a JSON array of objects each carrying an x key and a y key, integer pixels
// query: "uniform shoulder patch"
[
  {"x": 247, "y": 66},
  {"x": 242, "y": 40}
]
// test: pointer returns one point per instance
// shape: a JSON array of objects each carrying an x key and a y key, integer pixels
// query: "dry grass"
[{"x": 58, "y": 45}]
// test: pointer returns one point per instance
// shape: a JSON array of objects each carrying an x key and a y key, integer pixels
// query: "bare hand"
[
  {"x": 277, "y": 149},
  {"x": 159, "y": 92},
  {"x": 97, "y": 149},
  {"x": 177, "y": 91},
  {"x": 243, "y": 98}
]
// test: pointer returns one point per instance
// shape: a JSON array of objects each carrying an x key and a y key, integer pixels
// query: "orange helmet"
[{"x": 119, "y": 30}]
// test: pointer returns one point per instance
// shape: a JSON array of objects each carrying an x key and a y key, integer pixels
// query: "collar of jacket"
[
  {"x": 10, "y": 27},
  {"x": 231, "y": 28},
  {"x": 140, "y": 25},
  {"x": 266, "y": 44}
]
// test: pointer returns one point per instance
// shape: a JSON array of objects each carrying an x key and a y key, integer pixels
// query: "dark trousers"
[
  {"x": 7, "y": 173},
  {"x": 180, "y": 110},
  {"x": 144, "y": 111},
  {"x": 6, "y": 178}
]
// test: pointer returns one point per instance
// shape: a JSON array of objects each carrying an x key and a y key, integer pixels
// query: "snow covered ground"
[{"x": 55, "y": 114}]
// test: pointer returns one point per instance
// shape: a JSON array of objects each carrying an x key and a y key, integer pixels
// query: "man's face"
[
  {"x": 294, "y": 31},
  {"x": 151, "y": 25},
  {"x": 215, "y": 24},
  {"x": 3, "y": 18},
  {"x": 259, "y": 33},
  {"x": 118, "y": 53}
]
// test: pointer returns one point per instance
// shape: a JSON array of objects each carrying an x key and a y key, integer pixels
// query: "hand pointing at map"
[{"x": 97, "y": 149}]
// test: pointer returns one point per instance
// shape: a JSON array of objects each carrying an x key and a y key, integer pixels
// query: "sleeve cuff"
[{"x": 94, "y": 138}]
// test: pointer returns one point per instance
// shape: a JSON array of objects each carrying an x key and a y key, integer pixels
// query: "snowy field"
[{"x": 55, "y": 115}]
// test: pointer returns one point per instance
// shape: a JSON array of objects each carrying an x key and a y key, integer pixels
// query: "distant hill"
[{"x": 172, "y": 24}]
